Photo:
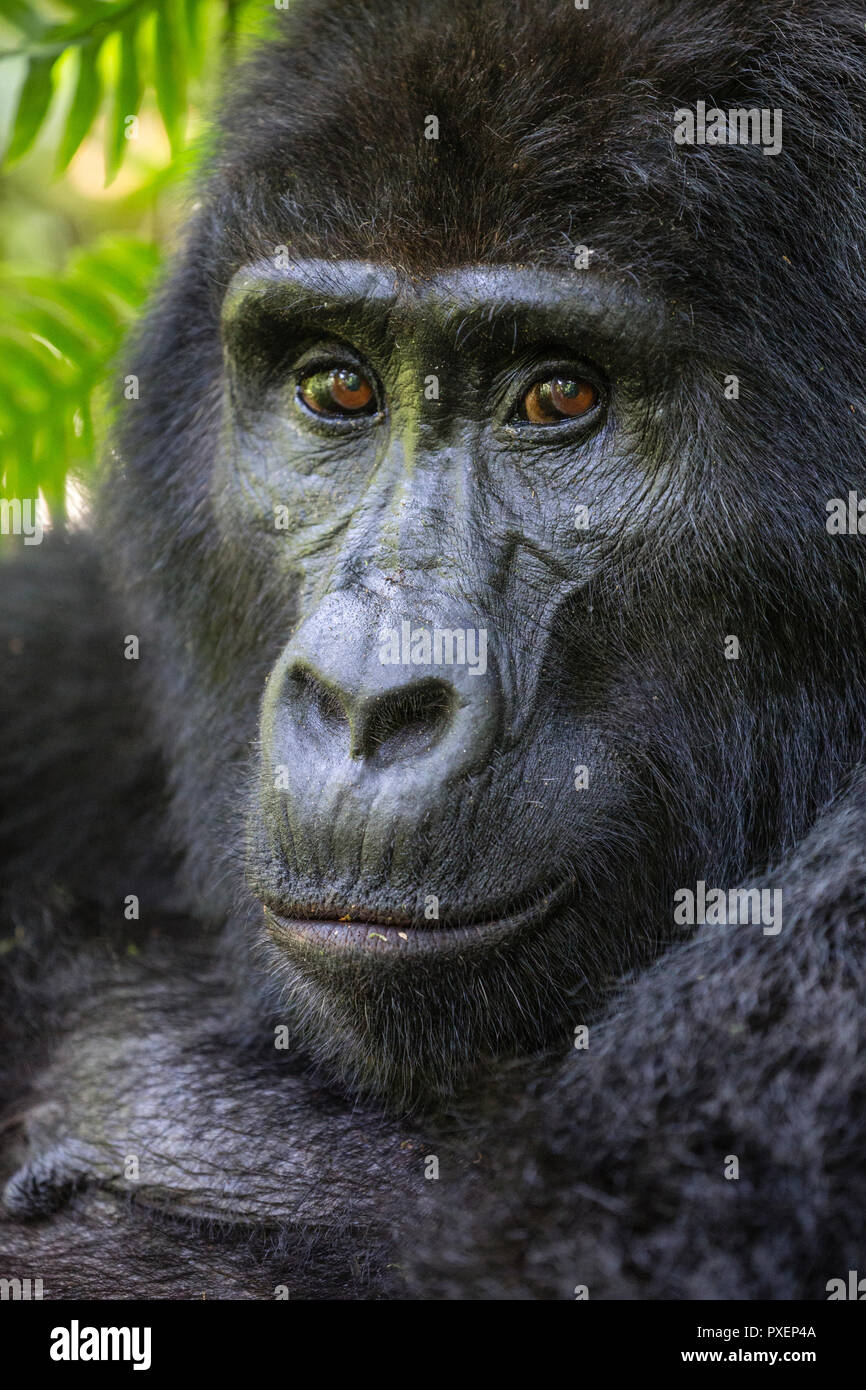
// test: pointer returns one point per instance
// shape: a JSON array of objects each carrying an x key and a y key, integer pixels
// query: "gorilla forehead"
[{"x": 555, "y": 129}]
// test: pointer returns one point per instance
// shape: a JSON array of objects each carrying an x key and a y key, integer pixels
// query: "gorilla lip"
[{"x": 376, "y": 938}]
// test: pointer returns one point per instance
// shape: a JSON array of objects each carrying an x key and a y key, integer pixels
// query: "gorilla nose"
[
  {"x": 359, "y": 690},
  {"x": 384, "y": 725}
]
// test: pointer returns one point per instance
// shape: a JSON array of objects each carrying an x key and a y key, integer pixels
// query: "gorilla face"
[
  {"x": 442, "y": 476},
  {"x": 442, "y": 533}
]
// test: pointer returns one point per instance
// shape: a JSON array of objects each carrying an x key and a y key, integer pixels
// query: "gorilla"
[{"x": 433, "y": 827}]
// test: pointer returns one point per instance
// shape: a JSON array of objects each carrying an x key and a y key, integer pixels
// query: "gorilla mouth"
[{"x": 371, "y": 935}]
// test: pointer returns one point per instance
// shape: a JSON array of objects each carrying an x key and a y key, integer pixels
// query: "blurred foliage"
[{"x": 100, "y": 105}]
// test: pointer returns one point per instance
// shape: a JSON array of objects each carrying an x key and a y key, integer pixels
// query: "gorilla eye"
[
  {"x": 559, "y": 398},
  {"x": 337, "y": 391}
]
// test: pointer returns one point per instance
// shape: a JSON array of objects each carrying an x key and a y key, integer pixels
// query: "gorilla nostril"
[
  {"x": 314, "y": 704},
  {"x": 405, "y": 723}
]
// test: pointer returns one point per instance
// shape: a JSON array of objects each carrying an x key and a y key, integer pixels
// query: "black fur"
[{"x": 557, "y": 1167}]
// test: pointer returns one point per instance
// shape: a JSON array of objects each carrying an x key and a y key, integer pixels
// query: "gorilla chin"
[
  {"x": 407, "y": 1007},
  {"x": 408, "y": 1014}
]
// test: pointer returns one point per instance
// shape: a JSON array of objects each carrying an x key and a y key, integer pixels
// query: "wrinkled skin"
[{"x": 289, "y": 805}]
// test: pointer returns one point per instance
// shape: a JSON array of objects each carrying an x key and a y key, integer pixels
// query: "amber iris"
[
  {"x": 558, "y": 398},
  {"x": 337, "y": 391}
]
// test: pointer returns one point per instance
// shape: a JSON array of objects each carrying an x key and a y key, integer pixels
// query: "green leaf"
[
  {"x": 49, "y": 456},
  {"x": 25, "y": 372},
  {"x": 127, "y": 100},
  {"x": 192, "y": 16},
  {"x": 170, "y": 72},
  {"x": 85, "y": 104},
  {"x": 85, "y": 305},
  {"x": 33, "y": 103},
  {"x": 96, "y": 21},
  {"x": 59, "y": 338},
  {"x": 31, "y": 318},
  {"x": 21, "y": 15},
  {"x": 122, "y": 268}
]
